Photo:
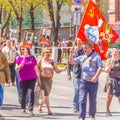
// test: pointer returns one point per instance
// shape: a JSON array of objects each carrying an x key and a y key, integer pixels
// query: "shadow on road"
[{"x": 10, "y": 107}]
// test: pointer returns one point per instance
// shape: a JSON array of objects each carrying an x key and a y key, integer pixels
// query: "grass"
[{"x": 61, "y": 65}]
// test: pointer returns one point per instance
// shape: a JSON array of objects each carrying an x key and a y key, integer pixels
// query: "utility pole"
[{"x": 76, "y": 9}]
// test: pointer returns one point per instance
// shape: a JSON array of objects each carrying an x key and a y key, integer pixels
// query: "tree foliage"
[{"x": 17, "y": 9}]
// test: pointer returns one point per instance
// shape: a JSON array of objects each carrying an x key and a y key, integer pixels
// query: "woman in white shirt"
[{"x": 47, "y": 67}]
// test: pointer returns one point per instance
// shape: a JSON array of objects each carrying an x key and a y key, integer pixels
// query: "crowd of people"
[
  {"x": 63, "y": 48},
  {"x": 22, "y": 69},
  {"x": 18, "y": 67}
]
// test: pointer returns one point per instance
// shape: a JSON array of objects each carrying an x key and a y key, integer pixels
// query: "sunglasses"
[
  {"x": 22, "y": 49},
  {"x": 47, "y": 52}
]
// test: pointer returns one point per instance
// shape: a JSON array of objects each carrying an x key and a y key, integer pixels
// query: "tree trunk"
[
  {"x": 19, "y": 29},
  {"x": 55, "y": 36},
  {"x": 6, "y": 23},
  {"x": 32, "y": 18},
  {"x": 6, "y": 31},
  {"x": 20, "y": 24},
  {"x": 55, "y": 19}
]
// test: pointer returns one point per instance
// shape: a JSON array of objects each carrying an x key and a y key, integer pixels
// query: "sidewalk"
[{"x": 61, "y": 103}]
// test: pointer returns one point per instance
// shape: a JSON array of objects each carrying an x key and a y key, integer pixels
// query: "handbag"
[{"x": 38, "y": 95}]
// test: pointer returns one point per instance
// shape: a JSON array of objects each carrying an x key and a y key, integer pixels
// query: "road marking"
[{"x": 12, "y": 118}]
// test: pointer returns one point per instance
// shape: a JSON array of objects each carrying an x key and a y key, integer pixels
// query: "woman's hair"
[
  {"x": 108, "y": 54},
  {"x": 21, "y": 46},
  {"x": 29, "y": 53},
  {"x": 45, "y": 49}
]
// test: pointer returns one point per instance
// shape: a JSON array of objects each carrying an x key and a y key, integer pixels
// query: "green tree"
[
  {"x": 17, "y": 8},
  {"x": 5, "y": 16},
  {"x": 53, "y": 8},
  {"x": 32, "y": 5}
]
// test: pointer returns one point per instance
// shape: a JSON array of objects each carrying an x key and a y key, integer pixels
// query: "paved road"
[{"x": 61, "y": 103}]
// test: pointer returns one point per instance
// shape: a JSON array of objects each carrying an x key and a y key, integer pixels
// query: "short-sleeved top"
[
  {"x": 27, "y": 72},
  {"x": 10, "y": 53},
  {"x": 63, "y": 44},
  {"x": 89, "y": 66}
]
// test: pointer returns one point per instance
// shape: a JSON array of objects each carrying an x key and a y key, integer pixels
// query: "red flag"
[{"x": 95, "y": 28}]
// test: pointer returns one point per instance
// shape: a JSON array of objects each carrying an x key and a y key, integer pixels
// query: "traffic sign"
[
  {"x": 76, "y": 8},
  {"x": 77, "y": 1}
]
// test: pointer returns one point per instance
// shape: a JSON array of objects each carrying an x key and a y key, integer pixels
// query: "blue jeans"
[
  {"x": 76, "y": 83},
  {"x": 1, "y": 94},
  {"x": 18, "y": 87},
  {"x": 85, "y": 88}
]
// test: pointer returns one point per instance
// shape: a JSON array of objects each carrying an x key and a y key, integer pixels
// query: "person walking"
[
  {"x": 64, "y": 48},
  {"x": 19, "y": 52},
  {"x": 47, "y": 67},
  {"x": 59, "y": 51},
  {"x": 10, "y": 53},
  {"x": 76, "y": 70},
  {"x": 28, "y": 73},
  {"x": 113, "y": 84},
  {"x": 4, "y": 72},
  {"x": 91, "y": 67}
]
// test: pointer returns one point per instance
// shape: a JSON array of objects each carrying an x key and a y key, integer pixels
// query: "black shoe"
[
  {"x": 108, "y": 113},
  {"x": 75, "y": 110}
]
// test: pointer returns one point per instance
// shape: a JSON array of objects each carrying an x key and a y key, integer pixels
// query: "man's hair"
[{"x": 89, "y": 43}]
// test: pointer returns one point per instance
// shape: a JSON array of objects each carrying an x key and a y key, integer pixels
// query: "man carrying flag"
[
  {"x": 91, "y": 67},
  {"x": 97, "y": 35}
]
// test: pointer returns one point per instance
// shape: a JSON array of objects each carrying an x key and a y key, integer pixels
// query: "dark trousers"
[
  {"x": 59, "y": 55},
  {"x": 12, "y": 72},
  {"x": 27, "y": 88},
  {"x": 85, "y": 89}
]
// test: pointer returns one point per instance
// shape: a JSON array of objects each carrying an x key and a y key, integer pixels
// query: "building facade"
[{"x": 113, "y": 9}]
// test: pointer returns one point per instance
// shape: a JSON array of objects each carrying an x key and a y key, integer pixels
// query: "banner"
[
  {"x": 13, "y": 34},
  {"x": 43, "y": 41},
  {"x": 45, "y": 37},
  {"x": 28, "y": 39},
  {"x": 95, "y": 28}
]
